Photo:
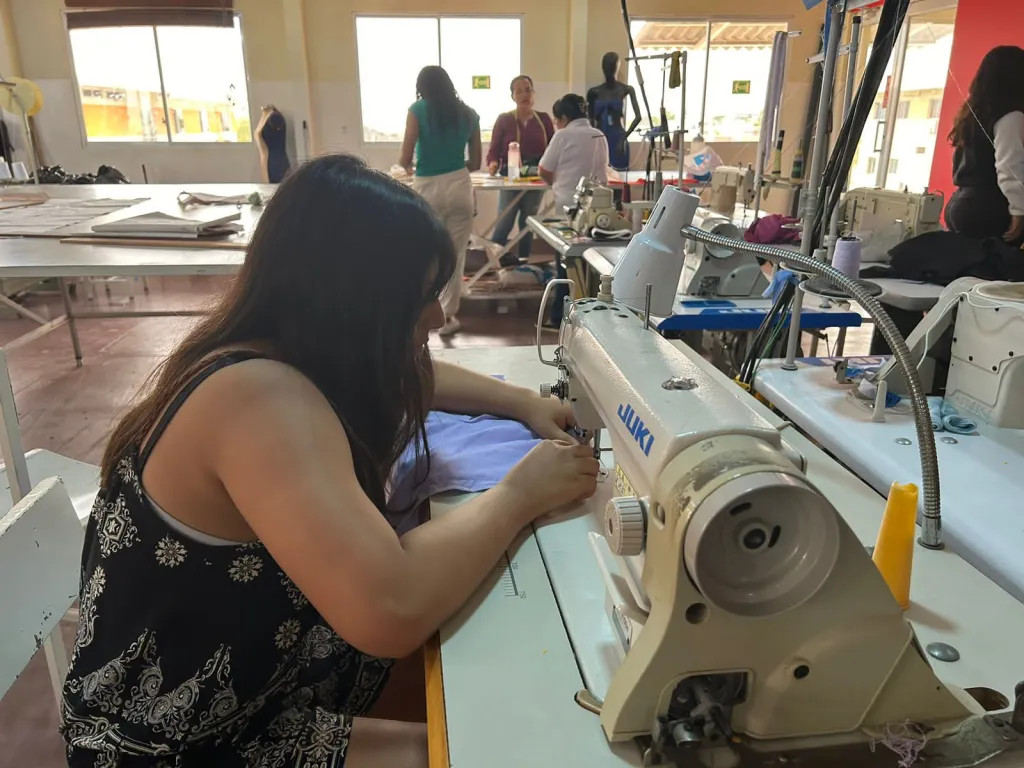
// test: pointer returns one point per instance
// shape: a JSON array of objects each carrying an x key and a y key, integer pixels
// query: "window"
[
  {"x": 737, "y": 56},
  {"x": 186, "y": 72},
  {"x": 934, "y": 107},
  {"x": 894, "y": 165},
  {"x": 481, "y": 55},
  {"x": 872, "y": 164},
  {"x": 903, "y": 110}
]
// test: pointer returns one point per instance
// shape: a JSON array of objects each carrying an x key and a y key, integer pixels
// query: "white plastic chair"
[
  {"x": 40, "y": 551},
  {"x": 41, "y": 538}
]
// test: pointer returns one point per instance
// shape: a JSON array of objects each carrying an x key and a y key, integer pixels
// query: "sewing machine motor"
[
  {"x": 759, "y": 629},
  {"x": 714, "y": 271}
]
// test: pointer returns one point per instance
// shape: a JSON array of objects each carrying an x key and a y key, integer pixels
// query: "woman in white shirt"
[
  {"x": 988, "y": 160},
  {"x": 576, "y": 150}
]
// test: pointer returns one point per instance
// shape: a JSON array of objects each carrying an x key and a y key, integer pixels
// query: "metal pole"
[
  {"x": 704, "y": 90},
  {"x": 851, "y": 76},
  {"x": 808, "y": 246},
  {"x": 682, "y": 120},
  {"x": 900, "y": 55}
]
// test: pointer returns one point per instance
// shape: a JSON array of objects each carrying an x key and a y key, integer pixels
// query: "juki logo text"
[{"x": 637, "y": 428}]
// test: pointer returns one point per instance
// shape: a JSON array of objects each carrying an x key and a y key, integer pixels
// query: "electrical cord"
[{"x": 841, "y": 160}]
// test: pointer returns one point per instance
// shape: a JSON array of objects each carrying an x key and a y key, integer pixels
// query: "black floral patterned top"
[{"x": 195, "y": 654}]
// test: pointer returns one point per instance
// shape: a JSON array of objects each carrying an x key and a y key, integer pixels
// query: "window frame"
[
  {"x": 520, "y": 17},
  {"x": 170, "y": 142},
  {"x": 710, "y": 20}
]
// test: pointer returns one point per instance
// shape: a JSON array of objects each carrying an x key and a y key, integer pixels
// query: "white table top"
[
  {"x": 134, "y": 191},
  {"x": 979, "y": 475},
  {"x": 514, "y": 651},
  {"x": 48, "y": 257}
]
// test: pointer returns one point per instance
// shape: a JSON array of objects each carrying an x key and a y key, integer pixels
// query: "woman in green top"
[{"x": 440, "y": 127}]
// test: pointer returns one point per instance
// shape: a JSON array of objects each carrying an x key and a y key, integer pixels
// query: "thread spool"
[
  {"x": 846, "y": 257},
  {"x": 894, "y": 548}
]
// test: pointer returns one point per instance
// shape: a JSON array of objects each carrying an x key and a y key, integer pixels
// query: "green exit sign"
[
  {"x": 741, "y": 86},
  {"x": 481, "y": 82}
]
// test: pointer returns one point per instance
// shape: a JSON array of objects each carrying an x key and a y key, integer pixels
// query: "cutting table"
[
  {"x": 502, "y": 674},
  {"x": 980, "y": 474}
]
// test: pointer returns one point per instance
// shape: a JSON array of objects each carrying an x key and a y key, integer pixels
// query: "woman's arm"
[
  {"x": 412, "y": 135},
  {"x": 496, "y": 150},
  {"x": 284, "y": 458},
  {"x": 460, "y": 390},
  {"x": 475, "y": 149},
  {"x": 548, "y": 165},
  {"x": 635, "y": 105},
  {"x": 1009, "y": 143}
]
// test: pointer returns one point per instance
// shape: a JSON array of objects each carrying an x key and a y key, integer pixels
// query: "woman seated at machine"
[
  {"x": 577, "y": 150},
  {"x": 988, "y": 158}
]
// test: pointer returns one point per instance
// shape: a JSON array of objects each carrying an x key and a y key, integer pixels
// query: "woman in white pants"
[{"x": 439, "y": 128}]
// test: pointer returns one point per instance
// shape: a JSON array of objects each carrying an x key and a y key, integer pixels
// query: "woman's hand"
[
  {"x": 548, "y": 417},
  {"x": 492, "y": 168},
  {"x": 1016, "y": 229},
  {"x": 553, "y": 474}
]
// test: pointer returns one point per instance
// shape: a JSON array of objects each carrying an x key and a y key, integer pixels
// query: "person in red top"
[{"x": 533, "y": 130}]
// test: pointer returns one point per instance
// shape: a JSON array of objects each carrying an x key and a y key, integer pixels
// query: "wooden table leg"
[{"x": 437, "y": 724}]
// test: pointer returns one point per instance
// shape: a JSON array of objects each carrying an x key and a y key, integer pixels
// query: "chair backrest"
[{"x": 40, "y": 562}]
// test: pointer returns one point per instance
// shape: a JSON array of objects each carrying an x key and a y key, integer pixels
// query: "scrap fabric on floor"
[{"x": 467, "y": 453}]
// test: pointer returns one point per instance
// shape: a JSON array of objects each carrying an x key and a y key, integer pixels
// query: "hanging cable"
[{"x": 890, "y": 22}]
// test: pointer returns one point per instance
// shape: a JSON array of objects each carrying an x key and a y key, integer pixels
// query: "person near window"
[
  {"x": 242, "y": 594},
  {"x": 533, "y": 130},
  {"x": 988, "y": 159},
  {"x": 576, "y": 150},
  {"x": 440, "y": 127}
]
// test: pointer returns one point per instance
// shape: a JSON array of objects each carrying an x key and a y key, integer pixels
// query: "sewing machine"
[
  {"x": 885, "y": 217},
  {"x": 731, "y": 184},
  {"x": 594, "y": 208},
  {"x": 985, "y": 374},
  {"x": 717, "y": 272},
  {"x": 753, "y": 627}
]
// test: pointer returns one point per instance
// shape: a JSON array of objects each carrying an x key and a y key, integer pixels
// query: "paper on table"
[{"x": 56, "y": 213}]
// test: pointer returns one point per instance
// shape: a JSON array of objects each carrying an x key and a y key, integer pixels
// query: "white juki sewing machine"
[{"x": 754, "y": 627}]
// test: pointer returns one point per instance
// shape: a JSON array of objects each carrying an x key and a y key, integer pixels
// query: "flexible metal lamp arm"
[{"x": 931, "y": 529}]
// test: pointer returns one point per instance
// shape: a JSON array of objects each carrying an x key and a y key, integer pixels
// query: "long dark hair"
[
  {"x": 445, "y": 110},
  {"x": 997, "y": 90},
  {"x": 340, "y": 267},
  {"x": 570, "y": 107}
]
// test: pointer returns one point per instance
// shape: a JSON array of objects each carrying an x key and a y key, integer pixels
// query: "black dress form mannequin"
[
  {"x": 606, "y": 103},
  {"x": 271, "y": 135}
]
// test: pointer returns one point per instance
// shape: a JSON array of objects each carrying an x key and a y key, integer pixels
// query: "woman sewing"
[
  {"x": 532, "y": 130},
  {"x": 242, "y": 595},
  {"x": 988, "y": 159},
  {"x": 577, "y": 150},
  {"x": 443, "y": 131}
]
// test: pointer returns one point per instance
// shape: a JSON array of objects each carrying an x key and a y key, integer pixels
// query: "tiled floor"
[{"x": 69, "y": 410}]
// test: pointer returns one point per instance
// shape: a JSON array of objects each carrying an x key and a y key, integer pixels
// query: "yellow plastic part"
[{"x": 894, "y": 548}]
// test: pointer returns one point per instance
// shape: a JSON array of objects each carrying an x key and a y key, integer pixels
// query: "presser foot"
[{"x": 981, "y": 741}]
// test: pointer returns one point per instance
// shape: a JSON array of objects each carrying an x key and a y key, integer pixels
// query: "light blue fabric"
[
  {"x": 945, "y": 416},
  {"x": 467, "y": 453},
  {"x": 779, "y": 280}
]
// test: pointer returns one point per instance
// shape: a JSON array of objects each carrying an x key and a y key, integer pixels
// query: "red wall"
[{"x": 981, "y": 25}]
